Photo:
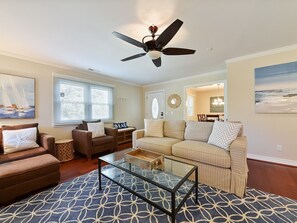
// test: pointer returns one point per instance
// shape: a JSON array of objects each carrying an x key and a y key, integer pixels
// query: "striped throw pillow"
[{"x": 224, "y": 133}]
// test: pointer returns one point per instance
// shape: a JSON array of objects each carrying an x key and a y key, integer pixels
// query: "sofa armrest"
[
  {"x": 137, "y": 134},
  {"x": 238, "y": 153},
  {"x": 48, "y": 142},
  {"x": 112, "y": 132},
  {"x": 82, "y": 140}
]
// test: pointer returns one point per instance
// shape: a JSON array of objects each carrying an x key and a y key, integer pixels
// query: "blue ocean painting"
[{"x": 276, "y": 88}]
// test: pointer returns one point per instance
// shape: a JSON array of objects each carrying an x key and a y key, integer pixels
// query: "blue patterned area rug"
[{"x": 80, "y": 200}]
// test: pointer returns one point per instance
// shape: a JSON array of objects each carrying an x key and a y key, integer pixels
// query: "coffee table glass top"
[{"x": 174, "y": 170}]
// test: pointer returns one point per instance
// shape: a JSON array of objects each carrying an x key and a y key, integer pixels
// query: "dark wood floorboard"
[
  {"x": 273, "y": 178},
  {"x": 268, "y": 177}
]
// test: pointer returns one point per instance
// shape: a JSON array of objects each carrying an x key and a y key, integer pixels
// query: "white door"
[{"x": 155, "y": 105}]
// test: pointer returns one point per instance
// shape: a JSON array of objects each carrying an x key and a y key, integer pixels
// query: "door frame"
[
  {"x": 145, "y": 101},
  {"x": 204, "y": 84}
]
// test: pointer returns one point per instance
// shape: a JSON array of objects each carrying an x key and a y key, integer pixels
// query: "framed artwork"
[
  {"x": 276, "y": 88},
  {"x": 17, "y": 97},
  {"x": 217, "y": 104}
]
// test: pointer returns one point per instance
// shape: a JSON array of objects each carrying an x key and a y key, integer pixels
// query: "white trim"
[
  {"x": 273, "y": 159},
  {"x": 187, "y": 78},
  {"x": 64, "y": 67},
  {"x": 69, "y": 77},
  {"x": 261, "y": 54}
]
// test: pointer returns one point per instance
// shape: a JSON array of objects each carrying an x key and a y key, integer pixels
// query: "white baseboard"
[{"x": 272, "y": 159}]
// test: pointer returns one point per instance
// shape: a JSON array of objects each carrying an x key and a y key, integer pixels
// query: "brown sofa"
[
  {"x": 27, "y": 170},
  {"x": 85, "y": 144}
]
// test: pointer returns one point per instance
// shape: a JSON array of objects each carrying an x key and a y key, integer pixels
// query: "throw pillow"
[
  {"x": 199, "y": 131},
  {"x": 17, "y": 140},
  {"x": 174, "y": 129},
  {"x": 120, "y": 125},
  {"x": 153, "y": 127},
  {"x": 97, "y": 129},
  {"x": 15, "y": 127},
  {"x": 85, "y": 123},
  {"x": 224, "y": 133}
]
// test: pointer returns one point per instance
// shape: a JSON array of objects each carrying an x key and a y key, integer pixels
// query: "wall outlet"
[{"x": 279, "y": 147}]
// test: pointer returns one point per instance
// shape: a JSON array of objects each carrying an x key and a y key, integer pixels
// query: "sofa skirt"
[{"x": 210, "y": 175}]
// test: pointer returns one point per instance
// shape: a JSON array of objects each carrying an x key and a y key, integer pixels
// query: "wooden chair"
[
  {"x": 201, "y": 117},
  {"x": 212, "y": 118}
]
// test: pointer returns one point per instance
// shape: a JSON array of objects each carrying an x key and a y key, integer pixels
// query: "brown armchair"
[
  {"x": 45, "y": 141},
  {"x": 85, "y": 144}
]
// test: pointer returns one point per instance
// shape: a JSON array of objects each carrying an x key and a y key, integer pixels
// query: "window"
[
  {"x": 190, "y": 105},
  {"x": 75, "y": 101}
]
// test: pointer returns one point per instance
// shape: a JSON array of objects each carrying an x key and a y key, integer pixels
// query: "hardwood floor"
[{"x": 268, "y": 177}]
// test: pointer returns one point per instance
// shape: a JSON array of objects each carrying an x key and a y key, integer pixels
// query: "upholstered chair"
[
  {"x": 85, "y": 143},
  {"x": 46, "y": 144}
]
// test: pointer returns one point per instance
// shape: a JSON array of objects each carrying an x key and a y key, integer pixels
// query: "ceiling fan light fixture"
[{"x": 154, "y": 54}]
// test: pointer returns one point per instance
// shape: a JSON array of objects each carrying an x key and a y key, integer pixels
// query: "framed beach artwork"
[
  {"x": 276, "y": 89},
  {"x": 17, "y": 97}
]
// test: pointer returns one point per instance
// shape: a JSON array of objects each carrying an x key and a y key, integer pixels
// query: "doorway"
[
  {"x": 207, "y": 99},
  {"x": 155, "y": 104}
]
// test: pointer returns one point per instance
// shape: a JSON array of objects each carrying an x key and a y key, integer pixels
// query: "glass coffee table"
[{"x": 167, "y": 187}]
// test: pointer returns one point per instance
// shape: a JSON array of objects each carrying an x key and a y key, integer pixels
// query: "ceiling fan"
[{"x": 154, "y": 47}]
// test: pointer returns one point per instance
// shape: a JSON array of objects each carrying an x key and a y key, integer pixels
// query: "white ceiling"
[{"x": 77, "y": 33}]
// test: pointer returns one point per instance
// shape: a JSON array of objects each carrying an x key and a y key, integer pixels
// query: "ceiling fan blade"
[
  {"x": 134, "y": 57},
  {"x": 168, "y": 33},
  {"x": 128, "y": 39},
  {"x": 157, "y": 62},
  {"x": 177, "y": 51}
]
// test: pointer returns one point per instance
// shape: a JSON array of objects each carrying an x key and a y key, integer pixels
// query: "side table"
[{"x": 64, "y": 150}]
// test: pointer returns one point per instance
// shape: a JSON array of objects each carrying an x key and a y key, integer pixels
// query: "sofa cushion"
[
  {"x": 174, "y": 129},
  {"x": 160, "y": 145},
  {"x": 153, "y": 127},
  {"x": 224, "y": 133},
  {"x": 102, "y": 140},
  {"x": 27, "y": 169},
  {"x": 202, "y": 152},
  {"x": 4, "y": 158},
  {"x": 199, "y": 131}
]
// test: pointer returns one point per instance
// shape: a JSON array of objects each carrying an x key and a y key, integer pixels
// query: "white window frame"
[{"x": 87, "y": 85}]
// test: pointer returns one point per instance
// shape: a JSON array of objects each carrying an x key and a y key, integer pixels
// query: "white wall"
[
  {"x": 264, "y": 131},
  {"x": 128, "y": 98},
  {"x": 179, "y": 87}
]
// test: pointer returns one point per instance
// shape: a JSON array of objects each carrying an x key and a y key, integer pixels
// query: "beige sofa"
[{"x": 220, "y": 168}]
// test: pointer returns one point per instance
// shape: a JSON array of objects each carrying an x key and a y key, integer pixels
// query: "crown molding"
[
  {"x": 261, "y": 54},
  {"x": 187, "y": 78},
  {"x": 85, "y": 72}
]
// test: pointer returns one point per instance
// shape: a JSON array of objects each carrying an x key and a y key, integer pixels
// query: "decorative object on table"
[
  {"x": 120, "y": 125},
  {"x": 174, "y": 101},
  {"x": 144, "y": 159},
  {"x": 155, "y": 47},
  {"x": 17, "y": 97},
  {"x": 64, "y": 150},
  {"x": 276, "y": 88}
]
